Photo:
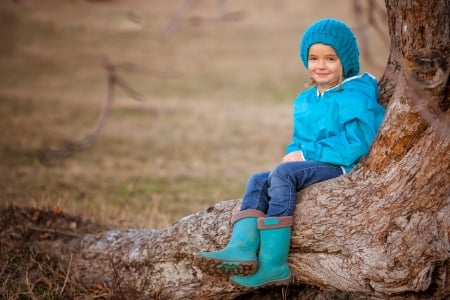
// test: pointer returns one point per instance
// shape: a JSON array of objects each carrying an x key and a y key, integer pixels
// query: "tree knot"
[{"x": 426, "y": 68}]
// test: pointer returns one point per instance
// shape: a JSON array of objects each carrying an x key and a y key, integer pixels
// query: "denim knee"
[{"x": 282, "y": 171}]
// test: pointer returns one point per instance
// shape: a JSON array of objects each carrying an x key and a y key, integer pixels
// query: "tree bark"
[{"x": 382, "y": 230}]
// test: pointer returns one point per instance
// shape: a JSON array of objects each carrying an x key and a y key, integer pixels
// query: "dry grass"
[
  {"x": 217, "y": 107},
  {"x": 24, "y": 274}
]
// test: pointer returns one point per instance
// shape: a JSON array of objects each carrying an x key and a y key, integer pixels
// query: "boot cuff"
[
  {"x": 248, "y": 213},
  {"x": 275, "y": 222}
]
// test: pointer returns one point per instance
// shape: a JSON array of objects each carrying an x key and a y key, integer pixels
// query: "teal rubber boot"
[
  {"x": 273, "y": 265},
  {"x": 239, "y": 256}
]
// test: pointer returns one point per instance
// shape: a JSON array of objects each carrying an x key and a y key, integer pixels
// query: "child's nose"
[{"x": 321, "y": 63}]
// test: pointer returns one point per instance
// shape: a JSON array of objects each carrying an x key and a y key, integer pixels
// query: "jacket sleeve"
[
  {"x": 291, "y": 147},
  {"x": 360, "y": 116}
]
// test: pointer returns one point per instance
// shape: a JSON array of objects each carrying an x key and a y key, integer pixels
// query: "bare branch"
[
  {"x": 48, "y": 156},
  {"x": 174, "y": 23}
]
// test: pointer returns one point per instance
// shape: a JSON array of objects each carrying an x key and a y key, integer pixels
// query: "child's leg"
[
  {"x": 239, "y": 256},
  {"x": 290, "y": 177},
  {"x": 275, "y": 229},
  {"x": 256, "y": 192},
  {"x": 273, "y": 264}
]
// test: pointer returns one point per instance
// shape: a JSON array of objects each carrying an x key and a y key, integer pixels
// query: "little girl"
[{"x": 335, "y": 122}]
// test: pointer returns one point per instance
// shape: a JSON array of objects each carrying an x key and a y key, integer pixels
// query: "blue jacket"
[{"x": 338, "y": 126}]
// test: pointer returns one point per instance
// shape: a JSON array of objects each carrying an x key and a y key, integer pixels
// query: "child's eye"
[{"x": 312, "y": 58}]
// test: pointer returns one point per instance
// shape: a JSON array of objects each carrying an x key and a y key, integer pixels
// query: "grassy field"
[{"x": 217, "y": 107}]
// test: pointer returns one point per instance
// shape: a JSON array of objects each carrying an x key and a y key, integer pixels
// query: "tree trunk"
[{"x": 382, "y": 230}]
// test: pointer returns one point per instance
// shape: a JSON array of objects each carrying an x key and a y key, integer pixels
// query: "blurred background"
[{"x": 202, "y": 98}]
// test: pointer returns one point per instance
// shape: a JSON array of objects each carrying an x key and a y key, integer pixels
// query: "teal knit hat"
[{"x": 339, "y": 36}]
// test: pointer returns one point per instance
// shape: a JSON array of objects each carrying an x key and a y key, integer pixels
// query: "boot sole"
[
  {"x": 214, "y": 266},
  {"x": 269, "y": 284}
]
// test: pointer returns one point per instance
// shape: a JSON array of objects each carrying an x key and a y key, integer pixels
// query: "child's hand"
[{"x": 294, "y": 156}]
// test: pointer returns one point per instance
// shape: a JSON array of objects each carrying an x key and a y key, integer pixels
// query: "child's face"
[{"x": 324, "y": 66}]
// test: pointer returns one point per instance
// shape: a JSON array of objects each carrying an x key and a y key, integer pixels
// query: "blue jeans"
[{"x": 275, "y": 192}]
